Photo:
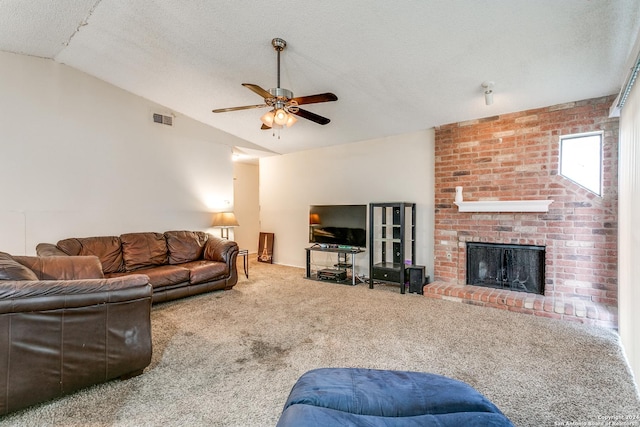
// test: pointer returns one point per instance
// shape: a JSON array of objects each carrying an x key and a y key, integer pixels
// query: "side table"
[{"x": 244, "y": 253}]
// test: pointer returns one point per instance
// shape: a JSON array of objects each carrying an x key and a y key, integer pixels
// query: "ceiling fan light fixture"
[
  {"x": 283, "y": 106},
  {"x": 281, "y": 117},
  {"x": 267, "y": 118},
  {"x": 291, "y": 120}
]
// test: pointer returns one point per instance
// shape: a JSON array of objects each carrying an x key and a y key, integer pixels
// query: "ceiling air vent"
[{"x": 163, "y": 120}]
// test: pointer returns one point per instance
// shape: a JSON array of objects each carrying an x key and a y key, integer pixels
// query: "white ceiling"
[{"x": 396, "y": 66}]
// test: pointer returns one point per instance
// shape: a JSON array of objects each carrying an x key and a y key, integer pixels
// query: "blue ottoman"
[{"x": 370, "y": 397}]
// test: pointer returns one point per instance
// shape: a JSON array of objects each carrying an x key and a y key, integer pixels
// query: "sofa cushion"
[
  {"x": 164, "y": 275},
  {"x": 185, "y": 246},
  {"x": 63, "y": 267},
  {"x": 140, "y": 250},
  {"x": 106, "y": 248},
  {"x": 13, "y": 270},
  {"x": 205, "y": 271}
]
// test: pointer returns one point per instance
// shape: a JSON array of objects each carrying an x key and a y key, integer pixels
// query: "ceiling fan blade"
[
  {"x": 246, "y": 107},
  {"x": 312, "y": 116},
  {"x": 312, "y": 99},
  {"x": 265, "y": 127},
  {"x": 257, "y": 89}
]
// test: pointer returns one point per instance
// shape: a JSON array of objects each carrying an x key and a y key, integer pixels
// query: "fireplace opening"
[{"x": 513, "y": 267}]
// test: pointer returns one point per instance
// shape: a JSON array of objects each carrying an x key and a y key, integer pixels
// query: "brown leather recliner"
[{"x": 63, "y": 327}]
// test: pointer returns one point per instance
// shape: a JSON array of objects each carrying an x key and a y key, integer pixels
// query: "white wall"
[
  {"x": 247, "y": 209},
  {"x": 81, "y": 157},
  {"x": 628, "y": 230},
  {"x": 393, "y": 169}
]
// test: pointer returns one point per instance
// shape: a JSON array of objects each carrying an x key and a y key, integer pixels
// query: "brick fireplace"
[{"x": 514, "y": 157}]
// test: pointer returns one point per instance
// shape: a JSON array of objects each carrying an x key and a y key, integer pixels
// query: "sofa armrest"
[
  {"x": 49, "y": 249},
  {"x": 223, "y": 250},
  {"x": 217, "y": 249}
]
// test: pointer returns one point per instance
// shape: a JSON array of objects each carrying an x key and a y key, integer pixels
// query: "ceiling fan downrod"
[{"x": 279, "y": 45}]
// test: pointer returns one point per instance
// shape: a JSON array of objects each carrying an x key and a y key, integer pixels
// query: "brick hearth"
[
  {"x": 576, "y": 310},
  {"x": 515, "y": 157}
]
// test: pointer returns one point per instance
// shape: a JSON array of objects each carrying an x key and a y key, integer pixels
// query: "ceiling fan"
[{"x": 284, "y": 106}]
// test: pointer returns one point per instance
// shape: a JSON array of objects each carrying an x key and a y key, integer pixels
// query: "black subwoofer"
[{"x": 415, "y": 274}]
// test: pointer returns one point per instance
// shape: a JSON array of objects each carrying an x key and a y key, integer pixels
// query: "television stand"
[{"x": 341, "y": 265}]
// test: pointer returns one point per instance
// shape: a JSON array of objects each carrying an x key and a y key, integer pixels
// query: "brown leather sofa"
[
  {"x": 63, "y": 327},
  {"x": 178, "y": 263}
]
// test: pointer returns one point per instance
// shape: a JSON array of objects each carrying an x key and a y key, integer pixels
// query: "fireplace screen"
[{"x": 513, "y": 267}]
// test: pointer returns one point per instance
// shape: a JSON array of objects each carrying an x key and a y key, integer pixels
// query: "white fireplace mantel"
[{"x": 505, "y": 206}]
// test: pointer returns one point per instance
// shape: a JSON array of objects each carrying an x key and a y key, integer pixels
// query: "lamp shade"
[
  {"x": 225, "y": 219},
  {"x": 267, "y": 118},
  {"x": 291, "y": 119},
  {"x": 314, "y": 219},
  {"x": 280, "y": 117}
]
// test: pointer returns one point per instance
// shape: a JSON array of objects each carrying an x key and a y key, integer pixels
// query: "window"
[{"x": 581, "y": 160}]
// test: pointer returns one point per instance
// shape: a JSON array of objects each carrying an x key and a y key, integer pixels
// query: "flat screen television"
[{"x": 338, "y": 225}]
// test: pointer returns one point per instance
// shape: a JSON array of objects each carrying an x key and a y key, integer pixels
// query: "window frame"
[{"x": 574, "y": 136}]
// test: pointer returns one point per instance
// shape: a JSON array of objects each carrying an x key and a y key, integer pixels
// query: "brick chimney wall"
[{"x": 516, "y": 157}]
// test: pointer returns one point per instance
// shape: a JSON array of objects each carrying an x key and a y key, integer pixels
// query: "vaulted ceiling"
[{"x": 396, "y": 66}]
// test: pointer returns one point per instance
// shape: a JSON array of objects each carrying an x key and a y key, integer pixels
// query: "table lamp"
[{"x": 224, "y": 221}]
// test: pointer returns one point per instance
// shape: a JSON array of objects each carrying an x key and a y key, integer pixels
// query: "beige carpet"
[{"x": 230, "y": 358}]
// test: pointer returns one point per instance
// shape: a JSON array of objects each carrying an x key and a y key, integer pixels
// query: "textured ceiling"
[{"x": 396, "y": 66}]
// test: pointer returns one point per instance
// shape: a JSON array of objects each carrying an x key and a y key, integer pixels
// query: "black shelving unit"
[{"x": 392, "y": 242}]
